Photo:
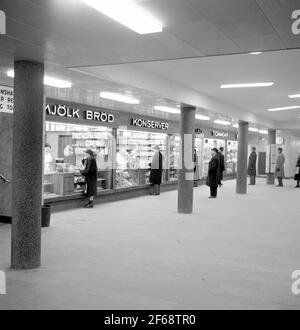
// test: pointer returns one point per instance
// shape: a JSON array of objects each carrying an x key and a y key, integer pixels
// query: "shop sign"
[
  {"x": 6, "y": 99},
  {"x": 271, "y": 158},
  {"x": 67, "y": 112},
  {"x": 220, "y": 134},
  {"x": 137, "y": 122},
  {"x": 199, "y": 131}
]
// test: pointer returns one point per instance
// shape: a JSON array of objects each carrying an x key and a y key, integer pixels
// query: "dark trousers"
[
  {"x": 280, "y": 182},
  {"x": 155, "y": 189},
  {"x": 252, "y": 180},
  {"x": 213, "y": 191},
  {"x": 298, "y": 182}
]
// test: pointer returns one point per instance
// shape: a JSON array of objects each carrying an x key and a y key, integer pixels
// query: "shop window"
[
  {"x": 65, "y": 146},
  {"x": 231, "y": 161},
  {"x": 135, "y": 151}
]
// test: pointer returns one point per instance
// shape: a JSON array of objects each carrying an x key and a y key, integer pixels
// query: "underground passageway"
[{"x": 238, "y": 251}]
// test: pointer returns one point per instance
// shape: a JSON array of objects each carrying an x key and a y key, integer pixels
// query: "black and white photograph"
[{"x": 149, "y": 158}]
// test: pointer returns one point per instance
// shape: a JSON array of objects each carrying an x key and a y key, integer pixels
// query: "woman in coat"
[
  {"x": 90, "y": 173},
  {"x": 222, "y": 166},
  {"x": 156, "y": 172},
  {"x": 252, "y": 166},
  {"x": 213, "y": 176},
  {"x": 298, "y": 166},
  {"x": 279, "y": 170}
]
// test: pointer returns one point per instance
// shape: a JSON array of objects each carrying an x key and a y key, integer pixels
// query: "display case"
[
  {"x": 174, "y": 157},
  {"x": 208, "y": 145},
  {"x": 231, "y": 161},
  {"x": 65, "y": 146},
  {"x": 135, "y": 150}
]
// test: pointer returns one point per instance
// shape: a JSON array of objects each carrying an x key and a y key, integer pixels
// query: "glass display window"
[
  {"x": 174, "y": 157},
  {"x": 231, "y": 160},
  {"x": 199, "y": 141},
  {"x": 208, "y": 145},
  {"x": 65, "y": 146},
  {"x": 135, "y": 150}
]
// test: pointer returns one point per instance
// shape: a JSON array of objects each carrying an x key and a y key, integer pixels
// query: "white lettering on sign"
[
  {"x": 219, "y": 134},
  {"x": 6, "y": 99},
  {"x": 296, "y": 24},
  {"x": 65, "y": 111},
  {"x": 2, "y": 22},
  {"x": 149, "y": 124}
]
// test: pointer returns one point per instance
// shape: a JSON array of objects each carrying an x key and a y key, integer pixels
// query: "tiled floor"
[{"x": 233, "y": 252}]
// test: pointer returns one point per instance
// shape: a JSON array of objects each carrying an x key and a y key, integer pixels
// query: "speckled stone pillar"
[
  {"x": 27, "y": 176},
  {"x": 186, "y": 173},
  {"x": 271, "y": 140},
  {"x": 242, "y": 162}
]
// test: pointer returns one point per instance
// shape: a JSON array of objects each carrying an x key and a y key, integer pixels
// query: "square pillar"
[
  {"x": 271, "y": 140},
  {"x": 242, "y": 162},
  {"x": 27, "y": 178},
  {"x": 186, "y": 171}
]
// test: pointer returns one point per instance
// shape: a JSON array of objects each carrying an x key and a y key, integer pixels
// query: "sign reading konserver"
[{"x": 6, "y": 99}]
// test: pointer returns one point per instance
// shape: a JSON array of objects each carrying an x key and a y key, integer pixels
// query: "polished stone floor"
[{"x": 236, "y": 252}]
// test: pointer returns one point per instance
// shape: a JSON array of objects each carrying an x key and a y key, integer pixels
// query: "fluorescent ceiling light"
[
  {"x": 249, "y": 85},
  {"x": 128, "y": 13},
  {"x": 296, "y": 96},
  {"x": 222, "y": 122},
  {"x": 201, "y": 117},
  {"x": 263, "y": 131},
  {"x": 119, "y": 98},
  {"x": 48, "y": 81},
  {"x": 255, "y": 53},
  {"x": 166, "y": 109},
  {"x": 284, "y": 108},
  {"x": 235, "y": 125},
  {"x": 253, "y": 129}
]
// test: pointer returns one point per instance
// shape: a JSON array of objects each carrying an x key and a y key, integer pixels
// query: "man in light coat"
[{"x": 279, "y": 170}]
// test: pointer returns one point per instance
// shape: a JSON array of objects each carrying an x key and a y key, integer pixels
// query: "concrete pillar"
[
  {"x": 271, "y": 140},
  {"x": 27, "y": 170},
  {"x": 186, "y": 173},
  {"x": 242, "y": 162}
]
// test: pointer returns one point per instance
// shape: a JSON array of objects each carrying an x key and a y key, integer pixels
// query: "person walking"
[
  {"x": 156, "y": 172},
  {"x": 213, "y": 177},
  {"x": 279, "y": 170},
  {"x": 298, "y": 166},
  {"x": 252, "y": 166},
  {"x": 90, "y": 173},
  {"x": 222, "y": 165}
]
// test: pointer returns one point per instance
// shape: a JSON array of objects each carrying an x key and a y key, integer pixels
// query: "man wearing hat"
[{"x": 213, "y": 176}]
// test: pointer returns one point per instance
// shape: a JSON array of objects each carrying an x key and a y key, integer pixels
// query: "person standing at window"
[
  {"x": 279, "y": 170},
  {"x": 90, "y": 173},
  {"x": 298, "y": 166},
  {"x": 222, "y": 165},
  {"x": 252, "y": 166},
  {"x": 213, "y": 173},
  {"x": 156, "y": 172}
]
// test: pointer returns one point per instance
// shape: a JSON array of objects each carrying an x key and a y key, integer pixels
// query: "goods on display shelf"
[
  {"x": 208, "y": 145},
  {"x": 135, "y": 151},
  {"x": 231, "y": 161}
]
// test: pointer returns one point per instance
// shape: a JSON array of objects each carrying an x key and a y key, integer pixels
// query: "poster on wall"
[
  {"x": 6, "y": 99},
  {"x": 271, "y": 158}
]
